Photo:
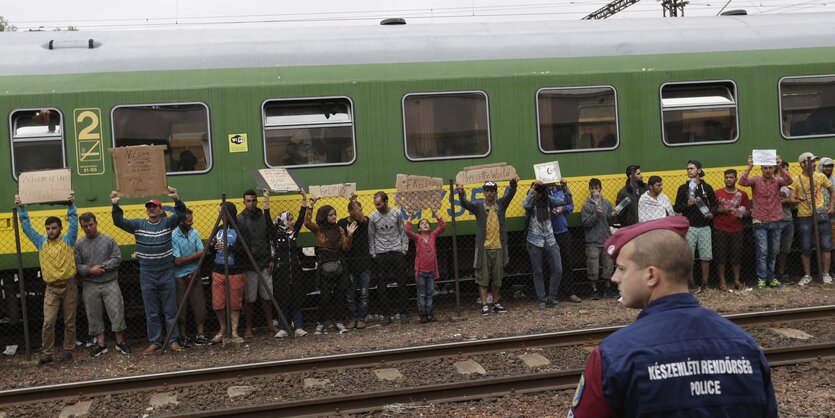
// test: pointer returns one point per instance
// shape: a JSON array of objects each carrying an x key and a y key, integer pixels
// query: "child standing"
[
  {"x": 596, "y": 217},
  {"x": 426, "y": 262}
]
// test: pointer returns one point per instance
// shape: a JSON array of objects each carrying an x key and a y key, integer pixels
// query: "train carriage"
[{"x": 362, "y": 104}]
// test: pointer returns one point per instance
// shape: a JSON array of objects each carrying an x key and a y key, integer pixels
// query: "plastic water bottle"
[
  {"x": 623, "y": 203},
  {"x": 693, "y": 188}
]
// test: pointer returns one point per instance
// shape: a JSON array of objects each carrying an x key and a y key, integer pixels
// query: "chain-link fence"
[{"x": 363, "y": 289}]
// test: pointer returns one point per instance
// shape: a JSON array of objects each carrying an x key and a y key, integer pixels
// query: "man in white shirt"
[{"x": 653, "y": 204}]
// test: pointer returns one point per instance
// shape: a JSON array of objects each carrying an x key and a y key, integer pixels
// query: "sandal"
[
  {"x": 574, "y": 299},
  {"x": 217, "y": 338}
]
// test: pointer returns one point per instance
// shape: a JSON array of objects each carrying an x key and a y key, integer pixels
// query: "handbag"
[{"x": 331, "y": 269}]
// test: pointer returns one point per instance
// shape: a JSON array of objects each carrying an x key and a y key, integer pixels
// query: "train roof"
[{"x": 28, "y": 53}]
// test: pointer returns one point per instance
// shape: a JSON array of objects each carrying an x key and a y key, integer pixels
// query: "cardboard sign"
[
  {"x": 548, "y": 172},
  {"x": 46, "y": 186},
  {"x": 407, "y": 183},
  {"x": 140, "y": 170},
  {"x": 415, "y": 201},
  {"x": 487, "y": 172},
  {"x": 764, "y": 156},
  {"x": 276, "y": 180},
  {"x": 334, "y": 190}
]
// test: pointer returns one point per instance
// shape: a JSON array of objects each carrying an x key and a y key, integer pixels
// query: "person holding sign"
[
  {"x": 677, "y": 359},
  {"x": 58, "y": 270},
  {"x": 541, "y": 242},
  {"x": 287, "y": 273},
  {"x": 156, "y": 264},
  {"x": 491, "y": 251},
  {"x": 767, "y": 218},
  {"x": 426, "y": 262},
  {"x": 697, "y": 201}
]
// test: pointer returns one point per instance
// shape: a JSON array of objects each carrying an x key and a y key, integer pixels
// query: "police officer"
[{"x": 677, "y": 358}]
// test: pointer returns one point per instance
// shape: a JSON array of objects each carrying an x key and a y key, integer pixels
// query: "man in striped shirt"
[{"x": 156, "y": 264}]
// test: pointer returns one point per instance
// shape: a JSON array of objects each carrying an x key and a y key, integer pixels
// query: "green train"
[{"x": 362, "y": 104}]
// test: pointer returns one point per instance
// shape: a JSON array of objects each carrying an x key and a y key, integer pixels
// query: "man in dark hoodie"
[
  {"x": 633, "y": 190},
  {"x": 258, "y": 239},
  {"x": 696, "y": 200}
]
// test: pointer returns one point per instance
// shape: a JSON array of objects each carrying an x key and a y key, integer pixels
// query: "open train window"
[
  {"x": 577, "y": 119},
  {"x": 446, "y": 125},
  {"x": 37, "y": 140},
  {"x": 699, "y": 112},
  {"x": 309, "y": 132},
  {"x": 182, "y": 127},
  {"x": 807, "y": 106}
]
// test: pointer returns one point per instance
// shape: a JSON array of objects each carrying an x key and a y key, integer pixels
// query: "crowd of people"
[{"x": 255, "y": 260}]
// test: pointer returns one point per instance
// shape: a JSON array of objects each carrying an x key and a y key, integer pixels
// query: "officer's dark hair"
[
  {"x": 653, "y": 180},
  {"x": 595, "y": 182},
  {"x": 382, "y": 195},
  {"x": 53, "y": 220},
  {"x": 730, "y": 171},
  {"x": 250, "y": 192},
  {"x": 667, "y": 251},
  {"x": 87, "y": 217}
]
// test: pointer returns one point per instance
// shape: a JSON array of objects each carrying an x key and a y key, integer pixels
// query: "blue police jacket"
[{"x": 676, "y": 360}]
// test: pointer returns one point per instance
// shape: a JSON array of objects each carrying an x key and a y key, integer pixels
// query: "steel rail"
[
  {"x": 169, "y": 380},
  {"x": 470, "y": 390}
]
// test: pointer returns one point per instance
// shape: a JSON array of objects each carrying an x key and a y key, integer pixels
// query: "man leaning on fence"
[
  {"x": 97, "y": 259},
  {"x": 491, "y": 251},
  {"x": 156, "y": 265},
  {"x": 55, "y": 254},
  {"x": 187, "y": 249}
]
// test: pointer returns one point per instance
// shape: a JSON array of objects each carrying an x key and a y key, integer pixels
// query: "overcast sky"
[{"x": 156, "y": 14}]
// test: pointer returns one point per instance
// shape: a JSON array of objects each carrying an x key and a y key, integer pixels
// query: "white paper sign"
[
  {"x": 548, "y": 172},
  {"x": 765, "y": 156}
]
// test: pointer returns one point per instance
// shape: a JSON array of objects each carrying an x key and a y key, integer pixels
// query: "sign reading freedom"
[
  {"x": 140, "y": 170},
  {"x": 418, "y": 192},
  {"x": 45, "y": 186}
]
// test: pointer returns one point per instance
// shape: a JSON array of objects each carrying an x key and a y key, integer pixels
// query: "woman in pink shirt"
[{"x": 426, "y": 262}]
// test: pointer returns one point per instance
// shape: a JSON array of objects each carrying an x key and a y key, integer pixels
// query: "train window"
[
  {"x": 699, "y": 112},
  {"x": 182, "y": 127},
  {"x": 37, "y": 140},
  {"x": 446, "y": 125},
  {"x": 577, "y": 118},
  {"x": 807, "y": 106},
  {"x": 309, "y": 132}
]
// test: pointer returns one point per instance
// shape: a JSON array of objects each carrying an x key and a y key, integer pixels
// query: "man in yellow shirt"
[
  {"x": 806, "y": 218},
  {"x": 57, "y": 259}
]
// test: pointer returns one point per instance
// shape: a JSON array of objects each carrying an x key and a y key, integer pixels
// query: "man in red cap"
[{"x": 677, "y": 359}]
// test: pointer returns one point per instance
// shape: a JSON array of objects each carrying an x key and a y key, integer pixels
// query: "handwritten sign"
[
  {"x": 487, "y": 172},
  {"x": 276, "y": 180},
  {"x": 334, "y": 190},
  {"x": 548, "y": 172},
  {"x": 415, "y": 201},
  {"x": 407, "y": 183},
  {"x": 764, "y": 156},
  {"x": 140, "y": 170},
  {"x": 44, "y": 186}
]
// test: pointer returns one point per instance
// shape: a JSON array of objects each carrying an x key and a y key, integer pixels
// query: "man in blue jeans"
[
  {"x": 156, "y": 264},
  {"x": 359, "y": 263}
]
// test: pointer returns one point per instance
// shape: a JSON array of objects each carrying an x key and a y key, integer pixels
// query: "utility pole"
[
  {"x": 674, "y": 7},
  {"x": 610, "y": 9}
]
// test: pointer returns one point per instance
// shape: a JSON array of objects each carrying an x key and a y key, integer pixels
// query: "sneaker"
[
  {"x": 201, "y": 339},
  {"x": 595, "y": 295},
  {"x": 553, "y": 301},
  {"x": 360, "y": 324},
  {"x": 423, "y": 319},
  {"x": 91, "y": 343},
  {"x": 183, "y": 341},
  {"x": 300, "y": 332},
  {"x": 386, "y": 320},
  {"x": 98, "y": 350},
  {"x": 123, "y": 347},
  {"x": 498, "y": 308},
  {"x": 44, "y": 360},
  {"x": 541, "y": 305},
  {"x": 805, "y": 280},
  {"x": 175, "y": 346},
  {"x": 431, "y": 318},
  {"x": 774, "y": 284},
  {"x": 827, "y": 279},
  {"x": 404, "y": 319},
  {"x": 281, "y": 334},
  {"x": 320, "y": 327},
  {"x": 612, "y": 292},
  {"x": 574, "y": 299},
  {"x": 485, "y": 310},
  {"x": 67, "y": 356},
  {"x": 785, "y": 278},
  {"x": 760, "y": 283},
  {"x": 340, "y": 328}
]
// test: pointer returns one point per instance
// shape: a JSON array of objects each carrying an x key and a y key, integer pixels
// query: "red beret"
[{"x": 613, "y": 245}]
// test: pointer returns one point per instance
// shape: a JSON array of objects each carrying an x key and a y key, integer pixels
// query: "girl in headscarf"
[
  {"x": 287, "y": 271},
  {"x": 331, "y": 242}
]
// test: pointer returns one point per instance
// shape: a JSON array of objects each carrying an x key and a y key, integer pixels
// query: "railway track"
[{"x": 449, "y": 392}]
